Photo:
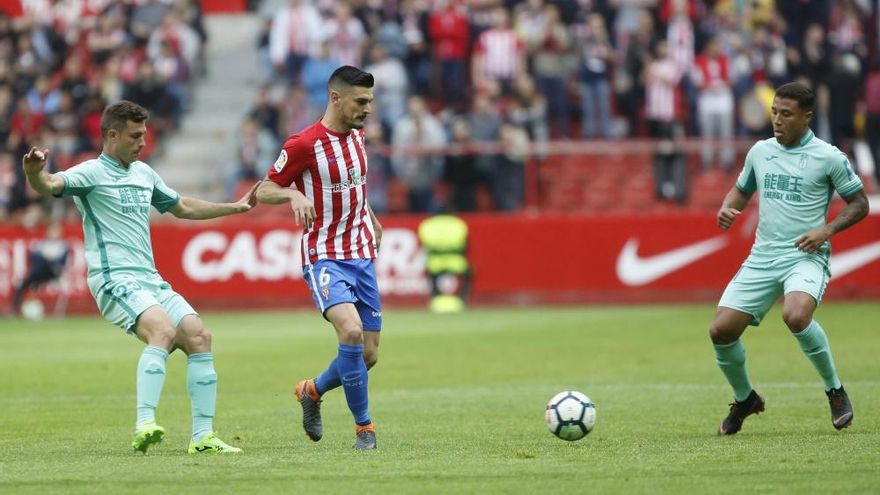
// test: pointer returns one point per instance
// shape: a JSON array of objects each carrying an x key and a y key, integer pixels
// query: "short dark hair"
[
  {"x": 117, "y": 115},
  {"x": 798, "y": 92},
  {"x": 347, "y": 76}
]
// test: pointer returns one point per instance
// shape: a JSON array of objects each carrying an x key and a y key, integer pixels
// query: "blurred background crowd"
[{"x": 481, "y": 105}]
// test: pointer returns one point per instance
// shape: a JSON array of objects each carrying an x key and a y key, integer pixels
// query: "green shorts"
[
  {"x": 122, "y": 301},
  {"x": 754, "y": 290}
]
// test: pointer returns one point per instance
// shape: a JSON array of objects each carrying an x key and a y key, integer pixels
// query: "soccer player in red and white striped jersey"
[{"x": 322, "y": 173}]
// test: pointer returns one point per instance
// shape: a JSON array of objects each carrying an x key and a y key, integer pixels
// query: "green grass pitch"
[{"x": 458, "y": 402}]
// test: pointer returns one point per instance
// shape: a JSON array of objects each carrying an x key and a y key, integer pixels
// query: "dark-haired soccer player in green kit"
[
  {"x": 795, "y": 174},
  {"x": 113, "y": 194}
]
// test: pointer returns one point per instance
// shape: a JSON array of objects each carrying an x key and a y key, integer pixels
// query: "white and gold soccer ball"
[{"x": 570, "y": 415}]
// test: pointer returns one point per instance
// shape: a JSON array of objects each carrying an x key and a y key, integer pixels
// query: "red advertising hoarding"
[{"x": 518, "y": 259}]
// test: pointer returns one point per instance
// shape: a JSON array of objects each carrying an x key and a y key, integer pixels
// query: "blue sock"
[
  {"x": 201, "y": 382},
  {"x": 150, "y": 380},
  {"x": 353, "y": 372},
  {"x": 328, "y": 379}
]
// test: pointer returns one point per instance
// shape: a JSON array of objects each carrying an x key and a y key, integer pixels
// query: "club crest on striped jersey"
[
  {"x": 355, "y": 179},
  {"x": 281, "y": 161}
]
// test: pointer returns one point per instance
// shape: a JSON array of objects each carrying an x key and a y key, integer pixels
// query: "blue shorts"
[{"x": 333, "y": 282}]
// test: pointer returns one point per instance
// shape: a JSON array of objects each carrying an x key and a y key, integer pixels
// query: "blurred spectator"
[
  {"x": 508, "y": 177},
  {"x": 417, "y": 170},
  {"x": 844, "y": 85},
  {"x": 528, "y": 109},
  {"x": 460, "y": 168},
  {"x": 450, "y": 35},
  {"x": 146, "y": 18},
  {"x": 65, "y": 124},
  {"x": 872, "y": 110},
  {"x": 104, "y": 40},
  {"x": 315, "y": 74},
  {"x": 391, "y": 88},
  {"x": 662, "y": 78},
  {"x": 43, "y": 98},
  {"x": 768, "y": 57},
  {"x": 7, "y": 183},
  {"x": 413, "y": 20},
  {"x": 296, "y": 30},
  {"x": 176, "y": 37},
  {"x": 347, "y": 36},
  {"x": 294, "y": 112},
  {"x": 173, "y": 72},
  {"x": 255, "y": 150},
  {"x": 45, "y": 264},
  {"x": 715, "y": 104},
  {"x": 485, "y": 126},
  {"x": 551, "y": 66},
  {"x": 266, "y": 114},
  {"x": 26, "y": 123},
  {"x": 150, "y": 92},
  {"x": 681, "y": 37},
  {"x": 595, "y": 65},
  {"x": 499, "y": 54},
  {"x": 380, "y": 167},
  {"x": 628, "y": 85},
  {"x": 73, "y": 81}
]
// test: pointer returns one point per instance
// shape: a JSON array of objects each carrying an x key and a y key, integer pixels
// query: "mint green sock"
[
  {"x": 731, "y": 358},
  {"x": 201, "y": 381},
  {"x": 814, "y": 343},
  {"x": 150, "y": 379}
]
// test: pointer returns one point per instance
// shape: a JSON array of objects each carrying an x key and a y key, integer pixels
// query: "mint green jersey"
[
  {"x": 114, "y": 202},
  {"x": 795, "y": 186}
]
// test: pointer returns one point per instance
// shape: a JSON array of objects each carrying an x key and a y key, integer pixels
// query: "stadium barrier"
[{"x": 517, "y": 259}]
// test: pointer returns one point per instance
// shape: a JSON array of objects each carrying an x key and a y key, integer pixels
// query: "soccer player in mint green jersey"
[
  {"x": 113, "y": 194},
  {"x": 794, "y": 174}
]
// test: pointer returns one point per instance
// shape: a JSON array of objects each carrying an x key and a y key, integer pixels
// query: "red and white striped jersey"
[
  {"x": 503, "y": 53},
  {"x": 330, "y": 168}
]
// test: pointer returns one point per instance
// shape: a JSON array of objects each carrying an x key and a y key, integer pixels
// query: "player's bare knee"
[
  {"x": 796, "y": 319},
  {"x": 159, "y": 336},
  {"x": 721, "y": 334},
  {"x": 352, "y": 334},
  {"x": 198, "y": 341}
]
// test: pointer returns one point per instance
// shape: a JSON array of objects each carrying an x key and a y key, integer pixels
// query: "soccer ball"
[
  {"x": 32, "y": 309},
  {"x": 570, "y": 415}
]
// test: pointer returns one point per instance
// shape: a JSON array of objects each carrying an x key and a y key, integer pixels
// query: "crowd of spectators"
[
  {"x": 514, "y": 71},
  {"x": 63, "y": 61}
]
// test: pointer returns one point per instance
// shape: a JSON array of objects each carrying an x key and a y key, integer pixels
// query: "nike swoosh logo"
[
  {"x": 633, "y": 270},
  {"x": 852, "y": 260},
  {"x": 206, "y": 382}
]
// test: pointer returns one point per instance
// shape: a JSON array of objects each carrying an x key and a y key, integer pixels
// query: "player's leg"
[
  {"x": 352, "y": 369},
  {"x": 745, "y": 301},
  {"x": 730, "y": 353},
  {"x": 154, "y": 328},
  {"x": 804, "y": 288},
  {"x": 201, "y": 378}
]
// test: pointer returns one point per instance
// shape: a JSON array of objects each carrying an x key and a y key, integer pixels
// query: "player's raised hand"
[
  {"x": 34, "y": 161},
  {"x": 812, "y": 240},
  {"x": 303, "y": 210},
  {"x": 726, "y": 217},
  {"x": 249, "y": 200}
]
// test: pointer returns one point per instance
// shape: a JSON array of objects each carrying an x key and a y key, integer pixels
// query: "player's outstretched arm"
[
  {"x": 303, "y": 210},
  {"x": 734, "y": 203},
  {"x": 855, "y": 210},
  {"x": 34, "y": 165},
  {"x": 199, "y": 209}
]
